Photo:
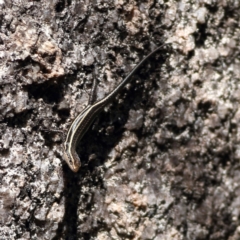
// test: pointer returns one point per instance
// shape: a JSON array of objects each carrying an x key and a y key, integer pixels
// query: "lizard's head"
[{"x": 71, "y": 158}]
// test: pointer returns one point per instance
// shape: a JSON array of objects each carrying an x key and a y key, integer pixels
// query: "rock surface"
[{"x": 161, "y": 161}]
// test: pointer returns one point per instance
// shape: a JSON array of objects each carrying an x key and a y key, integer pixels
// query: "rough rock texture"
[{"x": 162, "y": 161}]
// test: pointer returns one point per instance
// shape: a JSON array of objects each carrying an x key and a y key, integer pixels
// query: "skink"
[{"x": 84, "y": 120}]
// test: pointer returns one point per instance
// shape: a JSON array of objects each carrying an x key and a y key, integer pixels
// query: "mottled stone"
[
  {"x": 161, "y": 161},
  {"x": 135, "y": 120}
]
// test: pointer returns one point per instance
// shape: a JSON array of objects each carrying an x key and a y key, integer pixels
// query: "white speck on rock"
[{"x": 201, "y": 15}]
